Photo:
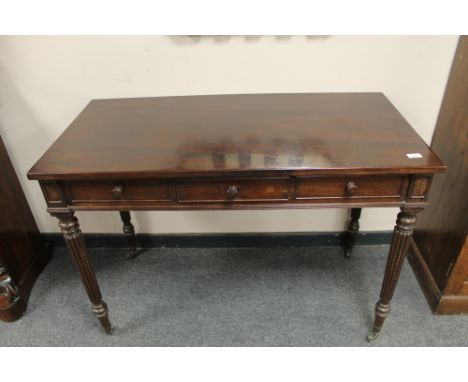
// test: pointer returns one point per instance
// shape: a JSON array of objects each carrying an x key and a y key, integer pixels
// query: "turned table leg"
[
  {"x": 77, "y": 248},
  {"x": 129, "y": 232},
  {"x": 352, "y": 231},
  {"x": 398, "y": 249}
]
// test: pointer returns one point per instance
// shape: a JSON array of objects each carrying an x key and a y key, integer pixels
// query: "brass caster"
[
  {"x": 372, "y": 336},
  {"x": 109, "y": 330}
]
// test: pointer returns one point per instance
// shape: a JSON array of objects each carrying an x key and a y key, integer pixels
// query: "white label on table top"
[{"x": 414, "y": 155}]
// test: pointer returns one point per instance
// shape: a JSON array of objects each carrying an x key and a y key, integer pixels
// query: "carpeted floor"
[{"x": 231, "y": 297}]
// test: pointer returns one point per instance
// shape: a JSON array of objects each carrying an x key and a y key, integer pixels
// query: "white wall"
[{"x": 46, "y": 81}]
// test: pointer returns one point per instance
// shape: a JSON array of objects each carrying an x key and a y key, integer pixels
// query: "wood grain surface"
[{"x": 226, "y": 134}]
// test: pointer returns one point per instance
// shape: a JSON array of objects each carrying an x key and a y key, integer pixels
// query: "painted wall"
[{"x": 45, "y": 81}]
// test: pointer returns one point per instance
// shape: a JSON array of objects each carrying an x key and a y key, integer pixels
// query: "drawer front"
[
  {"x": 232, "y": 190},
  {"x": 116, "y": 191},
  {"x": 351, "y": 187},
  {"x": 204, "y": 193}
]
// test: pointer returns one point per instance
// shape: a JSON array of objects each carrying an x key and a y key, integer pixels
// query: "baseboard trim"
[
  {"x": 228, "y": 240},
  {"x": 452, "y": 304}
]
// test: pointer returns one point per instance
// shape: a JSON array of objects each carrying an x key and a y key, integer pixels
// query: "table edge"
[{"x": 37, "y": 175}]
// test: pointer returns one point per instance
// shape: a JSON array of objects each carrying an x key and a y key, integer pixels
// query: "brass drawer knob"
[
  {"x": 117, "y": 191},
  {"x": 232, "y": 192},
  {"x": 351, "y": 188}
]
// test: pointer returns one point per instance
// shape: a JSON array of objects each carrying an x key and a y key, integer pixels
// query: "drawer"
[
  {"x": 351, "y": 187},
  {"x": 232, "y": 190},
  {"x": 119, "y": 191}
]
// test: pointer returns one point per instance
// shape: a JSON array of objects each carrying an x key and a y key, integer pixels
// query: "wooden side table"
[{"x": 228, "y": 152}]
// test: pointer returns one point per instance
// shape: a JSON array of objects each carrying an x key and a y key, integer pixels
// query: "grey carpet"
[{"x": 231, "y": 297}]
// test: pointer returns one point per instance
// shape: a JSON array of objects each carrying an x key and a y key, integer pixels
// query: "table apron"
[{"x": 391, "y": 190}]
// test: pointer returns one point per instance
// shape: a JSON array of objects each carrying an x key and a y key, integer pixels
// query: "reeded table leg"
[
  {"x": 398, "y": 249},
  {"x": 129, "y": 232},
  {"x": 76, "y": 245},
  {"x": 351, "y": 233}
]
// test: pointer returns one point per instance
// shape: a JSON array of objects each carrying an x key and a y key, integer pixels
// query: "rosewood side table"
[{"x": 226, "y": 152}]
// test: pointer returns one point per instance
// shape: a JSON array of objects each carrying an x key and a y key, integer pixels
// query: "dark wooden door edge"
[
  {"x": 442, "y": 244},
  {"x": 17, "y": 310},
  {"x": 228, "y": 240}
]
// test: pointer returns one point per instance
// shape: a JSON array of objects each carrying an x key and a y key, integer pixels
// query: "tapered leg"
[
  {"x": 398, "y": 249},
  {"x": 76, "y": 245},
  {"x": 351, "y": 233},
  {"x": 129, "y": 232}
]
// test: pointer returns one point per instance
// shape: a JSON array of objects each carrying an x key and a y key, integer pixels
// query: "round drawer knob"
[
  {"x": 351, "y": 188},
  {"x": 117, "y": 191},
  {"x": 232, "y": 192}
]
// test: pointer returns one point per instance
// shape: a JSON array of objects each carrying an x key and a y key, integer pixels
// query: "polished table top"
[{"x": 223, "y": 134}]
